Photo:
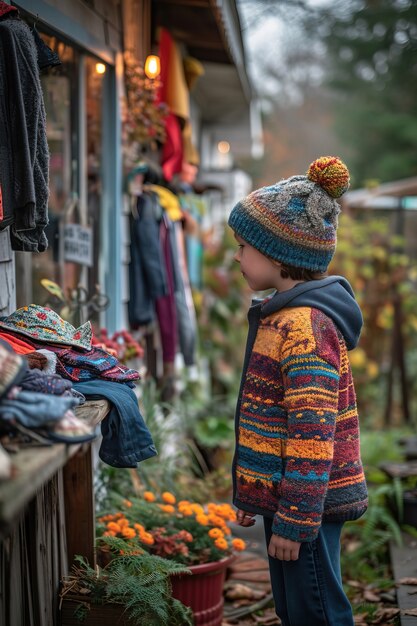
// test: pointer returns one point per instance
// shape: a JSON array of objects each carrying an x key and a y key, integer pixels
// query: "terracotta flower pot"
[
  {"x": 202, "y": 591},
  {"x": 96, "y": 614}
]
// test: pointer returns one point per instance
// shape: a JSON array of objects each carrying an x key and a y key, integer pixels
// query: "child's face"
[{"x": 259, "y": 272}]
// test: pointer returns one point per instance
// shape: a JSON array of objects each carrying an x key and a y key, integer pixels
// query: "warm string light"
[
  {"x": 152, "y": 66},
  {"x": 100, "y": 68}
]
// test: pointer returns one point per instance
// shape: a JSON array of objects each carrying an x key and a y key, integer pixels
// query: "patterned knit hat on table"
[
  {"x": 295, "y": 220},
  {"x": 43, "y": 324}
]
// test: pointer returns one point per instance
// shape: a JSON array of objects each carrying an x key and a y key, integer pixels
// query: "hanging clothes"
[
  {"x": 165, "y": 305},
  {"x": 187, "y": 322},
  {"x": 24, "y": 154},
  {"x": 174, "y": 92},
  {"x": 147, "y": 275},
  {"x": 158, "y": 274},
  {"x": 186, "y": 327},
  {"x": 196, "y": 207},
  {"x": 7, "y": 10}
]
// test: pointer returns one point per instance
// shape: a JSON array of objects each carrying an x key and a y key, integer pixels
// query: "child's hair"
[{"x": 300, "y": 273}]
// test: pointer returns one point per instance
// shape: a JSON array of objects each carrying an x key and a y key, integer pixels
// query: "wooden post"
[
  {"x": 79, "y": 506},
  {"x": 397, "y": 346}
]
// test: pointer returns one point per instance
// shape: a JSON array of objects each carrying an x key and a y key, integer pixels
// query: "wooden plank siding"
[
  {"x": 46, "y": 516},
  {"x": 33, "y": 559}
]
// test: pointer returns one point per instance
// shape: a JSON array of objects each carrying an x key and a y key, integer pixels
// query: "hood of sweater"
[{"x": 332, "y": 295}]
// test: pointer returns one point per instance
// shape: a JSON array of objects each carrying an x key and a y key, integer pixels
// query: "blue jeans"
[{"x": 309, "y": 591}]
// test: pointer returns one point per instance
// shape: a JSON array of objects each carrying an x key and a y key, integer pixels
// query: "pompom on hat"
[
  {"x": 295, "y": 220},
  {"x": 331, "y": 174}
]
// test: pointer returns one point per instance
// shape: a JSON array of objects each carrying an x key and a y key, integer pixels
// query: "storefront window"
[
  {"x": 72, "y": 258},
  {"x": 59, "y": 85}
]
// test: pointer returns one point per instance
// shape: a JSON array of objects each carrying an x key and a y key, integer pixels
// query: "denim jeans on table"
[{"x": 309, "y": 591}]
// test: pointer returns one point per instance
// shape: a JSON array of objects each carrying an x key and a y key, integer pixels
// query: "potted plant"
[
  {"x": 133, "y": 588},
  {"x": 190, "y": 534}
]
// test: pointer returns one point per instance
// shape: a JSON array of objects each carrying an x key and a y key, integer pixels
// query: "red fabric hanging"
[
  {"x": 172, "y": 150},
  {"x": 5, "y": 8}
]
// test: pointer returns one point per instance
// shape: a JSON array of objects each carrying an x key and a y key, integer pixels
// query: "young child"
[{"x": 297, "y": 461}]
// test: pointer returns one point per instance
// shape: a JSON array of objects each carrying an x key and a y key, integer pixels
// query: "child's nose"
[{"x": 236, "y": 256}]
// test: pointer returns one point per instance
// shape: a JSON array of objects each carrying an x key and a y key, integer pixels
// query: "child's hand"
[
  {"x": 283, "y": 549},
  {"x": 243, "y": 518}
]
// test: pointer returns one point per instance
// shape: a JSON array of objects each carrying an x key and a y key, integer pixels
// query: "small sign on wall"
[{"x": 78, "y": 244}]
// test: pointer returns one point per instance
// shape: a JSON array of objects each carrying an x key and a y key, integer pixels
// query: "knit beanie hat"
[
  {"x": 43, "y": 324},
  {"x": 294, "y": 221}
]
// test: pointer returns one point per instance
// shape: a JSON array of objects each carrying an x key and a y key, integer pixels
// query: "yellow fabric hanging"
[
  {"x": 177, "y": 94},
  {"x": 169, "y": 201}
]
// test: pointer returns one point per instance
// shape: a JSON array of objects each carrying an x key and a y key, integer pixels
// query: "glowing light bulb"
[
  {"x": 223, "y": 147},
  {"x": 152, "y": 66}
]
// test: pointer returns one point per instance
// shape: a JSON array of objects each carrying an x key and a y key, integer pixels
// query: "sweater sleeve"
[
  {"x": 310, "y": 371},
  {"x": 29, "y": 151}
]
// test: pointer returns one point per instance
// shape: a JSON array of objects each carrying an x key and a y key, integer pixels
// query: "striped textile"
[{"x": 297, "y": 456}]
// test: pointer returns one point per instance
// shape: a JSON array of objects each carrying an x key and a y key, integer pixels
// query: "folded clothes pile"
[
  {"x": 33, "y": 401},
  {"x": 48, "y": 368},
  {"x": 32, "y": 328}
]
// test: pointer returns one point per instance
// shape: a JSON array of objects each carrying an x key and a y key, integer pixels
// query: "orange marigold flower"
[
  {"x": 216, "y": 520},
  {"x": 148, "y": 496},
  {"x": 147, "y": 539},
  {"x": 238, "y": 544},
  {"x": 109, "y": 533},
  {"x": 182, "y": 503},
  {"x": 226, "y": 511},
  {"x": 221, "y": 543},
  {"x": 197, "y": 508},
  {"x": 168, "y": 497},
  {"x": 127, "y": 503},
  {"x": 113, "y": 526},
  {"x": 215, "y": 533},
  {"x": 123, "y": 522},
  {"x": 139, "y": 528},
  {"x": 202, "y": 519},
  {"x": 128, "y": 532},
  {"x": 187, "y": 511},
  {"x": 167, "y": 508}
]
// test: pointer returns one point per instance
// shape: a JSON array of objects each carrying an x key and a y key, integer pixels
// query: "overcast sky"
[{"x": 269, "y": 34}]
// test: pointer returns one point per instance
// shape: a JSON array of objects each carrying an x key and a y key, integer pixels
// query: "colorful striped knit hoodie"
[{"x": 297, "y": 453}]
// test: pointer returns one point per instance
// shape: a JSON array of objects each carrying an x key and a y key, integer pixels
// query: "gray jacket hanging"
[{"x": 24, "y": 154}]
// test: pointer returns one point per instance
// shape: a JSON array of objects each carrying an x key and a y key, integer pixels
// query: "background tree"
[
  {"x": 371, "y": 52},
  {"x": 361, "y": 52}
]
